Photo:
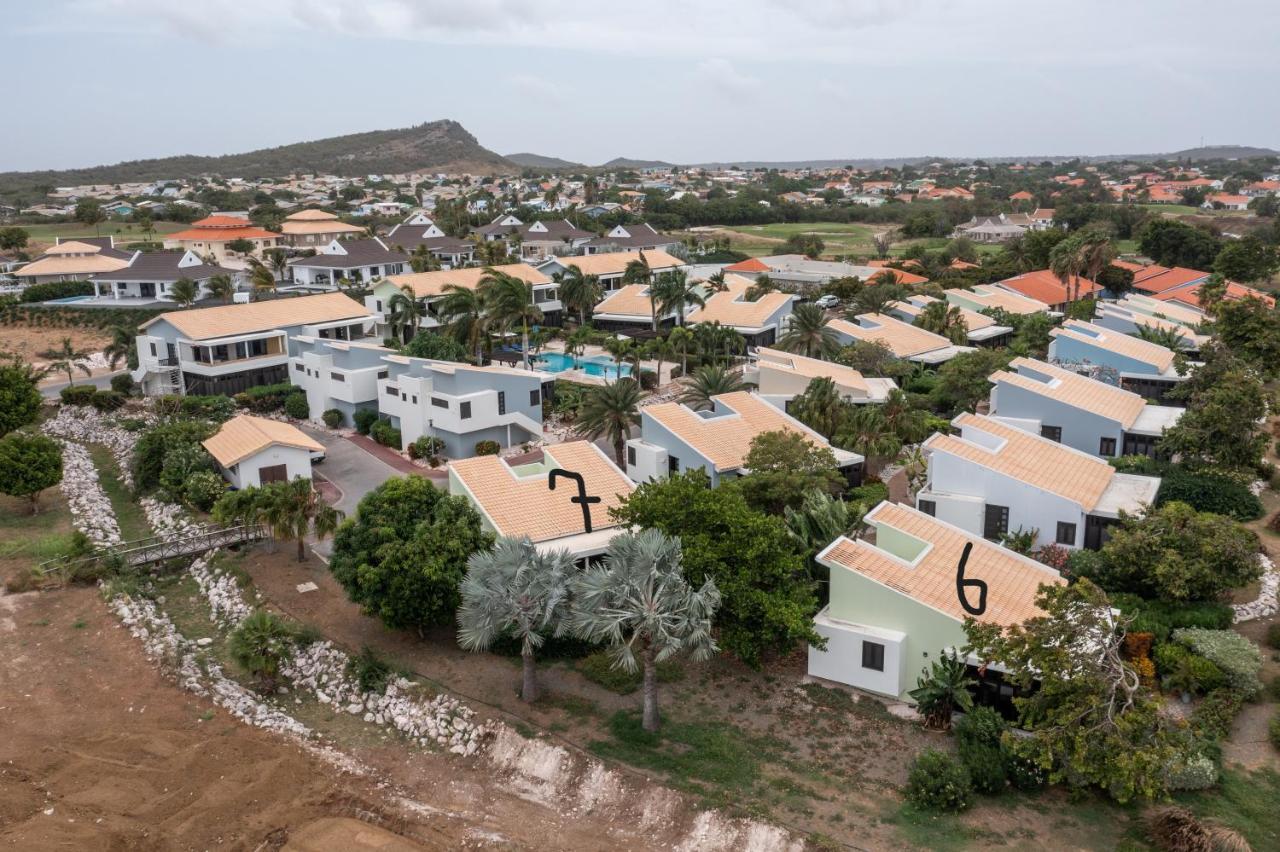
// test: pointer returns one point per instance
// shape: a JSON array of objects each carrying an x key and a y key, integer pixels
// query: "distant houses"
[
  {"x": 905, "y": 341},
  {"x": 75, "y": 260},
  {"x": 216, "y": 237}
]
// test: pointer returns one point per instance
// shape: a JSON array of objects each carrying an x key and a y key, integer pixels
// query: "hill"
[
  {"x": 537, "y": 161},
  {"x": 437, "y": 145},
  {"x": 626, "y": 163}
]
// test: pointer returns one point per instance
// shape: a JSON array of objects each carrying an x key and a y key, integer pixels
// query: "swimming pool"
[
  {"x": 558, "y": 362},
  {"x": 66, "y": 300}
]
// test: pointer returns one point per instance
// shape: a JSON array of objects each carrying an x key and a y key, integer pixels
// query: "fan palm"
[
  {"x": 609, "y": 411},
  {"x": 67, "y": 359},
  {"x": 405, "y": 313},
  {"x": 641, "y": 604},
  {"x": 945, "y": 320},
  {"x": 294, "y": 508},
  {"x": 185, "y": 292},
  {"x": 807, "y": 334},
  {"x": 515, "y": 590},
  {"x": 579, "y": 292},
  {"x": 510, "y": 301},
  {"x": 706, "y": 383},
  {"x": 222, "y": 287}
]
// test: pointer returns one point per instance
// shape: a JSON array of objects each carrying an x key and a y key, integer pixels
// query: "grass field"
[
  {"x": 1186, "y": 210},
  {"x": 128, "y": 231},
  {"x": 840, "y": 238}
]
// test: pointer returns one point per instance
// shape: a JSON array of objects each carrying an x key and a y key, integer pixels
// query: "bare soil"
[{"x": 28, "y": 341}]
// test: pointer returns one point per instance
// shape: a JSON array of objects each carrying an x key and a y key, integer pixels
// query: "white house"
[
  {"x": 428, "y": 288},
  {"x": 782, "y": 376},
  {"x": 254, "y": 451},
  {"x": 904, "y": 340},
  {"x": 994, "y": 478},
  {"x": 988, "y": 296},
  {"x": 1138, "y": 365},
  {"x": 361, "y": 262},
  {"x": 760, "y": 321},
  {"x": 151, "y": 275}
]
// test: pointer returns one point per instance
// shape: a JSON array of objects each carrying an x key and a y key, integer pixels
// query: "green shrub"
[
  {"x": 77, "y": 394},
  {"x": 1194, "y": 772},
  {"x": 123, "y": 383},
  {"x": 216, "y": 407},
  {"x": 1024, "y": 773},
  {"x": 1237, "y": 657},
  {"x": 648, "y": 380},
  {"x": 598, "y": 668},
  {"x": 108, "y": 400},
  {"x": 1212, "y": 718},
  {"x": 1144, "y": 465},
  {"x": 203, "y": 488},
  {"x": 55, "y": 290},
  {"x": 426, "y": 447},
  {"x": 1175, "y": 661},
  {"x": 260, "y": 644},
  {"x": 488, "y": 448},
  {"x": 370, "y": 670},
  {"x": 1209, "y": 493},
  {"x": 296, "y": 406},
  {"x": 1273, "y": 731},
  {"x": 869, "y": 494},
  {"x": 988, "y": 771},
  {"x": 266, "y": 398},
  {"x": 180, "y": 461},
  {"x": 1273, "y": 635},
  {"x": 386, "y": 434},
  {"x": 1160, "y": 618},
  {"x": 333, "y": 418},
  {"x": 981, "y": 726},
  {"x": 364, "y": 419},
  {"x": 938, "y": 782},
  {"x": 154, "y": 445}
]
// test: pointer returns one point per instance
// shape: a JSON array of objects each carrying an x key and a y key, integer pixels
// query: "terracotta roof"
[
  {"x": 1044, "y": 286},
  {"x": 1052, "y": 467},
  {"x": 82, "y": 259},
  {"x": 995, "y": 297},
  {"x": 319, "y": 226},
  {"x": 1157, "y": 279},
  {"x": 615, "y": 262},
  {"x": 903, "y": 339},
  {"x": 221, "y": 222},
  {"x": 1073, "y": 389},
  {"x": 811, "y": 368},
  {"x": 312, "y": 216},
  {"x": 244, "y": 435},
  {"x": 731, "y": 308},
  {"x": 221, "y": 234},
  {"x": 228, "y": 320},
  {"x": 898, "y": 276},
  {"x": 1012, "y": 580},
  {"x": 433, "y": 283},
  {"x": 73, "y": 247},
  {"x": 726, "y": 439},
  {"x": 1113, "y": 341},
  {"x": 751, "y": 264},
  {"x": 1191, "y": 295},
  {"x": 525, "y": 505}
]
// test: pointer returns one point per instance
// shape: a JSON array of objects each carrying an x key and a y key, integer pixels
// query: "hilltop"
[
  {"x": 538, "y": 161},
  {"x": 444, "y": 146}
]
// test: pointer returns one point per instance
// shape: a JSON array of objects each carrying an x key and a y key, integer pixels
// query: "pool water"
[
  {"x": 558, "y": 362},
  {"x": 66, "y": 300}
]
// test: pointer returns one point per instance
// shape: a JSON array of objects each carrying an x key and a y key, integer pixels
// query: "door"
[
  {"x": 147, "y": 290},
  {"x": 996, "y": 523},
  {"x": 273, "y": 473}
]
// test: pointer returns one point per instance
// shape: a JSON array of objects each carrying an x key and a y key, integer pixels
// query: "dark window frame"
[
  {"x": 873, "y": 655},
  {"x": 1066, "y": 533}
]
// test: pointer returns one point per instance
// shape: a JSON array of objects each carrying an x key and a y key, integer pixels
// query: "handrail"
[{"x": 155, "y": 549}]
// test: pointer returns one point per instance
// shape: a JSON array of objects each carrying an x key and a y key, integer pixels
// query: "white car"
[{"x": 827, "y": 301}]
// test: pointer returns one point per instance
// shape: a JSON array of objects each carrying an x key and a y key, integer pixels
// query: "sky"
[{"x": 678, "y": 80}]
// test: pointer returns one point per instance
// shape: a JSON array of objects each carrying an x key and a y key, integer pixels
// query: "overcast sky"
[{"x": 681, "y": 80}]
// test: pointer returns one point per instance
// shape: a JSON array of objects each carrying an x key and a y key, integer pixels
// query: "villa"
[
  {"x": 430, "y": 287},
  {"x": 782, "y": 376},
  {"x": 151, "y": 275},
  {"x": 982, "y": 329},
  {"x": 904, "y": 340},
  {"x": 360, "y": 262},
  {"x": 642, "y": 237},
  {"x": 1045, "y": 287},
  {"x": 314, "y": 228},
  {"x": 610, "y": 267},
  {"x": 989, "y": 297},
  {"x": 418, "y": 232},
  {"x": 211, "y": 238},
  {"x": 1123, "y": 317},
  {"x": 761, "y": 321},
  {"x": 1132, "y": 363},
  {"x": 75, "y": 260}
]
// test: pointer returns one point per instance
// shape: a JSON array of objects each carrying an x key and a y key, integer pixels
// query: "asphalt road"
[
  {"x": 354, "y": 471},
  {"x": 51, "y": 391}
]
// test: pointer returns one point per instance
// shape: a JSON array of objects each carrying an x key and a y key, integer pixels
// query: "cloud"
[
  {"x": 726, "y": 79},
  {"x": 538, "y": 88}
]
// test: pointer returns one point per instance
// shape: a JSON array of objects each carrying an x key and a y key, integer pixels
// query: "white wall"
[
  {"x": 842, "y": 659},
  {"x": 297, "y": 462}
]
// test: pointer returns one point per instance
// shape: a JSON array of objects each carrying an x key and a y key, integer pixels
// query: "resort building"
[
  {"x": 610, "y": 267},
  {"x": 254, "y": 451},
  {"x": 358, "y": 262},
  {"x": 642, "y": 237},
  {"x": 760, "y": 321},
  {"x": 987, "y": 296},
  {"x": 151, "y": 275},
  {"x": 1043, "y": 286},
  {"x": 782, "y": 376},
  {"x": 429, "y": 287},
  {"x": 904, "y": 340},
  {"x": 801, "y": 273},
  {"x": 210, "y": 238},
  {"x": 629, "y": 309},
  {"x": 982, "y": 329},
  {"x": 338, "y": 375},
  {"x": 315, "y": 228},
  {"x": 418, "y": 233},
  {"x": 75, "y": 260},
  {"x": 1138, "y": 365}
]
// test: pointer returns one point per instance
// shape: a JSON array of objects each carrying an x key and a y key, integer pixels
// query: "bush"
[
  {"x": 1160, "y": 618},
  {"x": 1170, "y": 659},
  {"x": 333, "y": 418},
  {"x": 1273, "y": 731},
  {"x": 214, "y": 407},
  {"x": 108, "y": 400},
  {"x": 1209, "y": 493},
  {"x": 1024, "y": 773},
  {"x": 153, "y": 447},
  {"x": 266, "y": 398},
  {"x": 77, "y": 394},
  {"x": 1144, "y": 465},
  {"x": 869, "y": 494},
  {"x": 426, "y": 447},
  {"x": 676, "y": 372},
  {"x": 364, "y": 419},
  {"x": 1237, "y": 657},
  {"x": 938, "y": 782},
  {"x": 598, "y": 668},
  {"x": 55, "y": 290},
  {"x": 123, "y": 383},
  {"x": 203, "y": 488},
  {"x": 179, "y": 462},
  {"x": 295, "y": 405},
  {"x": 1213, "y": 717},
  {"x": 260, "y": 645},
  {"x": 981, "y": 726},
  {"x": 369, "y": 670},
  {"x": 987, "y": 769},
  {"x": 1273, "y": 635},
  {"x": 648, "y": 380},
  {"x": 386, "y": 434},
  {"x": 488, "y": 448},
  {"x": 1195, "y": 772}
]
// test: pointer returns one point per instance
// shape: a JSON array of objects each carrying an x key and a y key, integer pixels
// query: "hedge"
[
  {"x": 55, "y": 290},
  {"x": 77, "y": 394},
  {"x": 488, "y": 448},
  {"x": 386, "y": 434},
  {"x": 1160, "y": 618},
  {"x": 1209, "y": 493},
  {"x": 333, "y": 418},
  {"x": 364, "y": 419},
  {"x": 267, "y": 397},
  {"x": 1239, "y": 659}
]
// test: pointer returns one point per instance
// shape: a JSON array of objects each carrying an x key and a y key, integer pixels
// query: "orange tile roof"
[
  {"x": 221, "y": 222},
  {"x": 221, "y": 234},
  {"x": 630, "y": 301},
  {"x": 433, "y": 283},
  {"x": 898, "y": 276},
  {"x": 726, "y": 439},
  {"x": 1122, "y": 344},
  {"x": 1074, "y": 389},
  {"x": 903, "y": 339},
  {"x": 751, "y": 264},
  {"x": 731, "y": 308},
  {"x": 242, "y": 436},
  {"x": 1012, "y": 580},
  {"x": 1157, "y": 279},
  {"x": 526, "y": 505},
  {"x": 1043, "y": 285},
  {"x": 1040, "y": 462}
]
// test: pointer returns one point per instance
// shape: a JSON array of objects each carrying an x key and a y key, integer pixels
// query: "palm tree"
[
  {"x": 1016, "y": 251},
  {"x": 946, "y": 320},
  {"x": 673, "y": 292},
  {"x": 763, "y": 284},
  {"x": 464, "y": 311},
  {"x": 883, "y": 242},
  {"x": 1096, "y": 253},
  {"x": 1066, "y": 260},
  {"x": 716, "y": 340},
  {"x": 609, "y": 411},
  {"x": 822, "y": 518},
  {"x": 1169, "y": 338},
  {"x": 807, "y": 334},
  {"x": 640, "y": 601},
  {"x": 637, "y": 271},
  {"x": 67, "y": 359},
  {"x": 909, "y": 423},
  {"x": 261, "y": 279},
  {"x": 222, "y": 287},
  {"x": 576, "y": 342},
  {"x": 185, "y": 292},
  {"x": 510, "y": 301},
  {"x": 422, "y": 260},
  {"x": 874, "y": 298},
  {"x": 515, "y": 590},
  {"x": 865, "y": 431},
  {"x": 680, "y": 338},
  {"x": 661, "y": 349},
  {"x": 621, "y": 348},
  {"x": 706, "y": 383},
  {"x": 820, "y": 407},
  {"x": 279, "y": 262},
  {"x": 716, "y": 281},
  {"x": 579, "y": 292},
  {"x": 293, "y": 508},
  {"x": 404, "y": 313},
  {"x": 122, "y": 345}
]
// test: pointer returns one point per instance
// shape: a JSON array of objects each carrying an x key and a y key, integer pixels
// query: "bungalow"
[
  {"x": 984, "y": 297},
  {"x": 1042, "y": 218},
  {"x": 904, "y": 340},
  {"x": 312, "y": 228},
  {"x": 782, "y": 376},
  {"x": 761, "y": 321},
  {"x": 540, "y": 240},
  {"x": 1126, "y": 320},
  {"x": 212, "y": 235},
  {"x": 674, "y": 437},
  {"x": 543, "y": 501},
  {"x": 429, "y": 287},
  {"x": 982, "y": 329},
  {"x": 608, "y": 268},
  {"x": 1154, "y": 278},
  {"x": 231, "y": 348},
  {"x": 419, "y": 232},
  {"x": 74, "y": 260},
  {"x": 254, "y": 451},
  {"x": 642, "y": 237},
  {"x": 1086, "y": 414},
  {"x": 629, "y": 309},
  {"x": 994, "y": 229},
  {"x": 1132, "y": 363},
  {"x": 895, "y": 603},
  {"x": 151, "y": 275},
  {"x": 360, "y": 262},
  {"x": 1043, "y": 286},
  {"x": 1226, "y": 201},
  {"x": 993, "y": 478}
]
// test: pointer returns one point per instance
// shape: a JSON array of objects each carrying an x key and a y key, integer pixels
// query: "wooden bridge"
[{"x": 146, "y": 551}]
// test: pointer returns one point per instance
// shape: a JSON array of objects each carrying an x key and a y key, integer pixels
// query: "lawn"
[
  {"x": 124, "y": 231},
  {"x": 27, "y": 540},
  {"x": 1187, "y": 210},
  {"x": 840, "y": 238},
  {"x": 132, "y": 520}
]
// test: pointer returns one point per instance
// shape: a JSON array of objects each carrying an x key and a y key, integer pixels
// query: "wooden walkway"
[{"x": 147, "y": 551}]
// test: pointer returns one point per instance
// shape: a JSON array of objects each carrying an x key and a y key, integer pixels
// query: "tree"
[
  {"x": 28, "y": 465},
  {"x": 20, "y": 398},
  {"x": 866, "y": 432},
  {"x": 185, "y": 292},
  {"x": 609, "y": 411},
  {"x": 673, "y": 292},
  {"x": 1172, "y": 243},
  {"x": 13, "y": 238},
  {"x": 404, "y": 554},
  {"x": 1247, "y": 259},
  {"x": 820, "y": 407},
  {"x": 515, "y": 590},
  {"x": 89, "y": 212},
  {"x": 718, "y": 342},
  {"x": 808, "y": 334},
  {"x": 962, "y": 381},
  {"x": 426, "y": 344},
  {"x": 260, "y": 645},
  {"x": 681, "y": 338},
  {"x": 510, "y": 303},
  {"x": 942, "y": 688},
  {"x": 769, "y": 598},
  {"x": 1066, "y": 262},
  {"x": 945, "y": 320},
  {"x": 222, "y": 287},
  {"x": 641, "y": 603},
  {"x": 874, "y": 298},
  {"x": 1250, "y": 329},
  {"x": 1219, "y": 427},
  {"x": 873, "y": 358},
  {"x": 262, "y": 280},
  {"x": 809, "y": 245},
  {"x": 883, "y": 242},
  {"x": 706, "y": 383},
  {"x": 67, "y": 359},
  {"x": 579, "y": 292},
  {"x": 464, "y": 311},
  {"x": 279, "y": 262},
  {"x": 1170, "y": 338},
  {"x": 818, "y": 521},
  {"x": 637, "y": 271},
  {"x": 1115, "y": 279},
  {"x": 404, "y": 313},
  {"x": 1091, "y": 721},
  {"x": 784, "y": 467},
  {"x": 240, "y": 246},
  {"x": 122, "y": 346},
  {"x": 295, "y": 508}
]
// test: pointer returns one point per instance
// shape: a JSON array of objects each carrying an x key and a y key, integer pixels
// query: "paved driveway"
[
  {"x": 51, "y": 390},
  {"x": 354, "y": 471}
]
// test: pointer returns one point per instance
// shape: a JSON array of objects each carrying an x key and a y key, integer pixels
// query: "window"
[
  {"x": 502, "y": 402},
  {"x": 337, "y": 377},
  {"x": 273, "y": 473},
  {"x": 535, "y": 397},
  {"x": 464, "y": 410},
  {"x": 392, "y": 390},
  {"x": 1053, "y": 433},
  {"x": 929, "y": 507},
  {"x": 1107, "y": 447},
  {"x": 439, "y": 403},
  {"x": 631, "y": 456},
  {"x": 382, "y": 374},
  {"x": 673, "y": 464},
  {"x": 298, "y": 367},
  {"x": 415, "y": 399},
  {"x": 872, "y": 656},
  {"x": 379, "y": 305},
  {"x": 1066, "y": 533},
  {"x": 997, "y": 522}
]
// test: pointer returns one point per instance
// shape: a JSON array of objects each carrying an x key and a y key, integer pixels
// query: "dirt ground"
[{"x": 27, "y": 341}]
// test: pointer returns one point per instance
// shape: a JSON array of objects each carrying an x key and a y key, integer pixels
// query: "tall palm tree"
[
  {"x": 515, "y": 590},
  {"x": 464, "y": 312},
  {"x": 262, "y": 279},
  {"x": 67, "y": 359},
  {"x": 716, "y": 341},
  {"x": 422, "y": 260},
  {"x": 641, "y": 604},
  {"x": 706, "y": 383},
  {"x": 222, "y": 287},
  {"x": 865, "y": 431},
  {"x": 673, "y": 292},
  {"x": 621, "y": 348},
  {"x": 294, "y": 508},
  {"x": 609, "y": 411},
  {"x": 820, "y": 407},
  {"x": 807, "y": 334},
  {"x": 579, "y": 292},
  {"x": 1096, "y": 253},
  {"x": 511, "y": 304},
  {"x": 185, "y": 292},
  {"x": 279, "y": 262},
  {"x": 405, "y": 313},
  {"x": 1016, "y": 251},
  {"x": 576, "y": 342},
  {"x": 1066, "y": 261},
  {"x": 945, "y": 320},
  {"x": 123, "y": 345},
  {"x": 763, "y": 284},
  {"x": 637, "y": 271},
  {"x": 681, "y": 337},
  {"x": 661, "y": 349},
  {"x": 716, "y": 281},
  {"x": 909, "y": 423}
]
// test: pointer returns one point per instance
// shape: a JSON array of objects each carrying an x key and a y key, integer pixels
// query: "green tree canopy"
[
  {"x": 1219, "y": 428},
  {"x": 963, "y": 382},
  {"x": 1247, "y": 259},
  {"x": 19, "y": 396},
  {"x": 28, "y": 465},
  {"x": 426, "y": 344},
  {"x": 784, "y": 467},
  {"x": 1173, "y": 243}
]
